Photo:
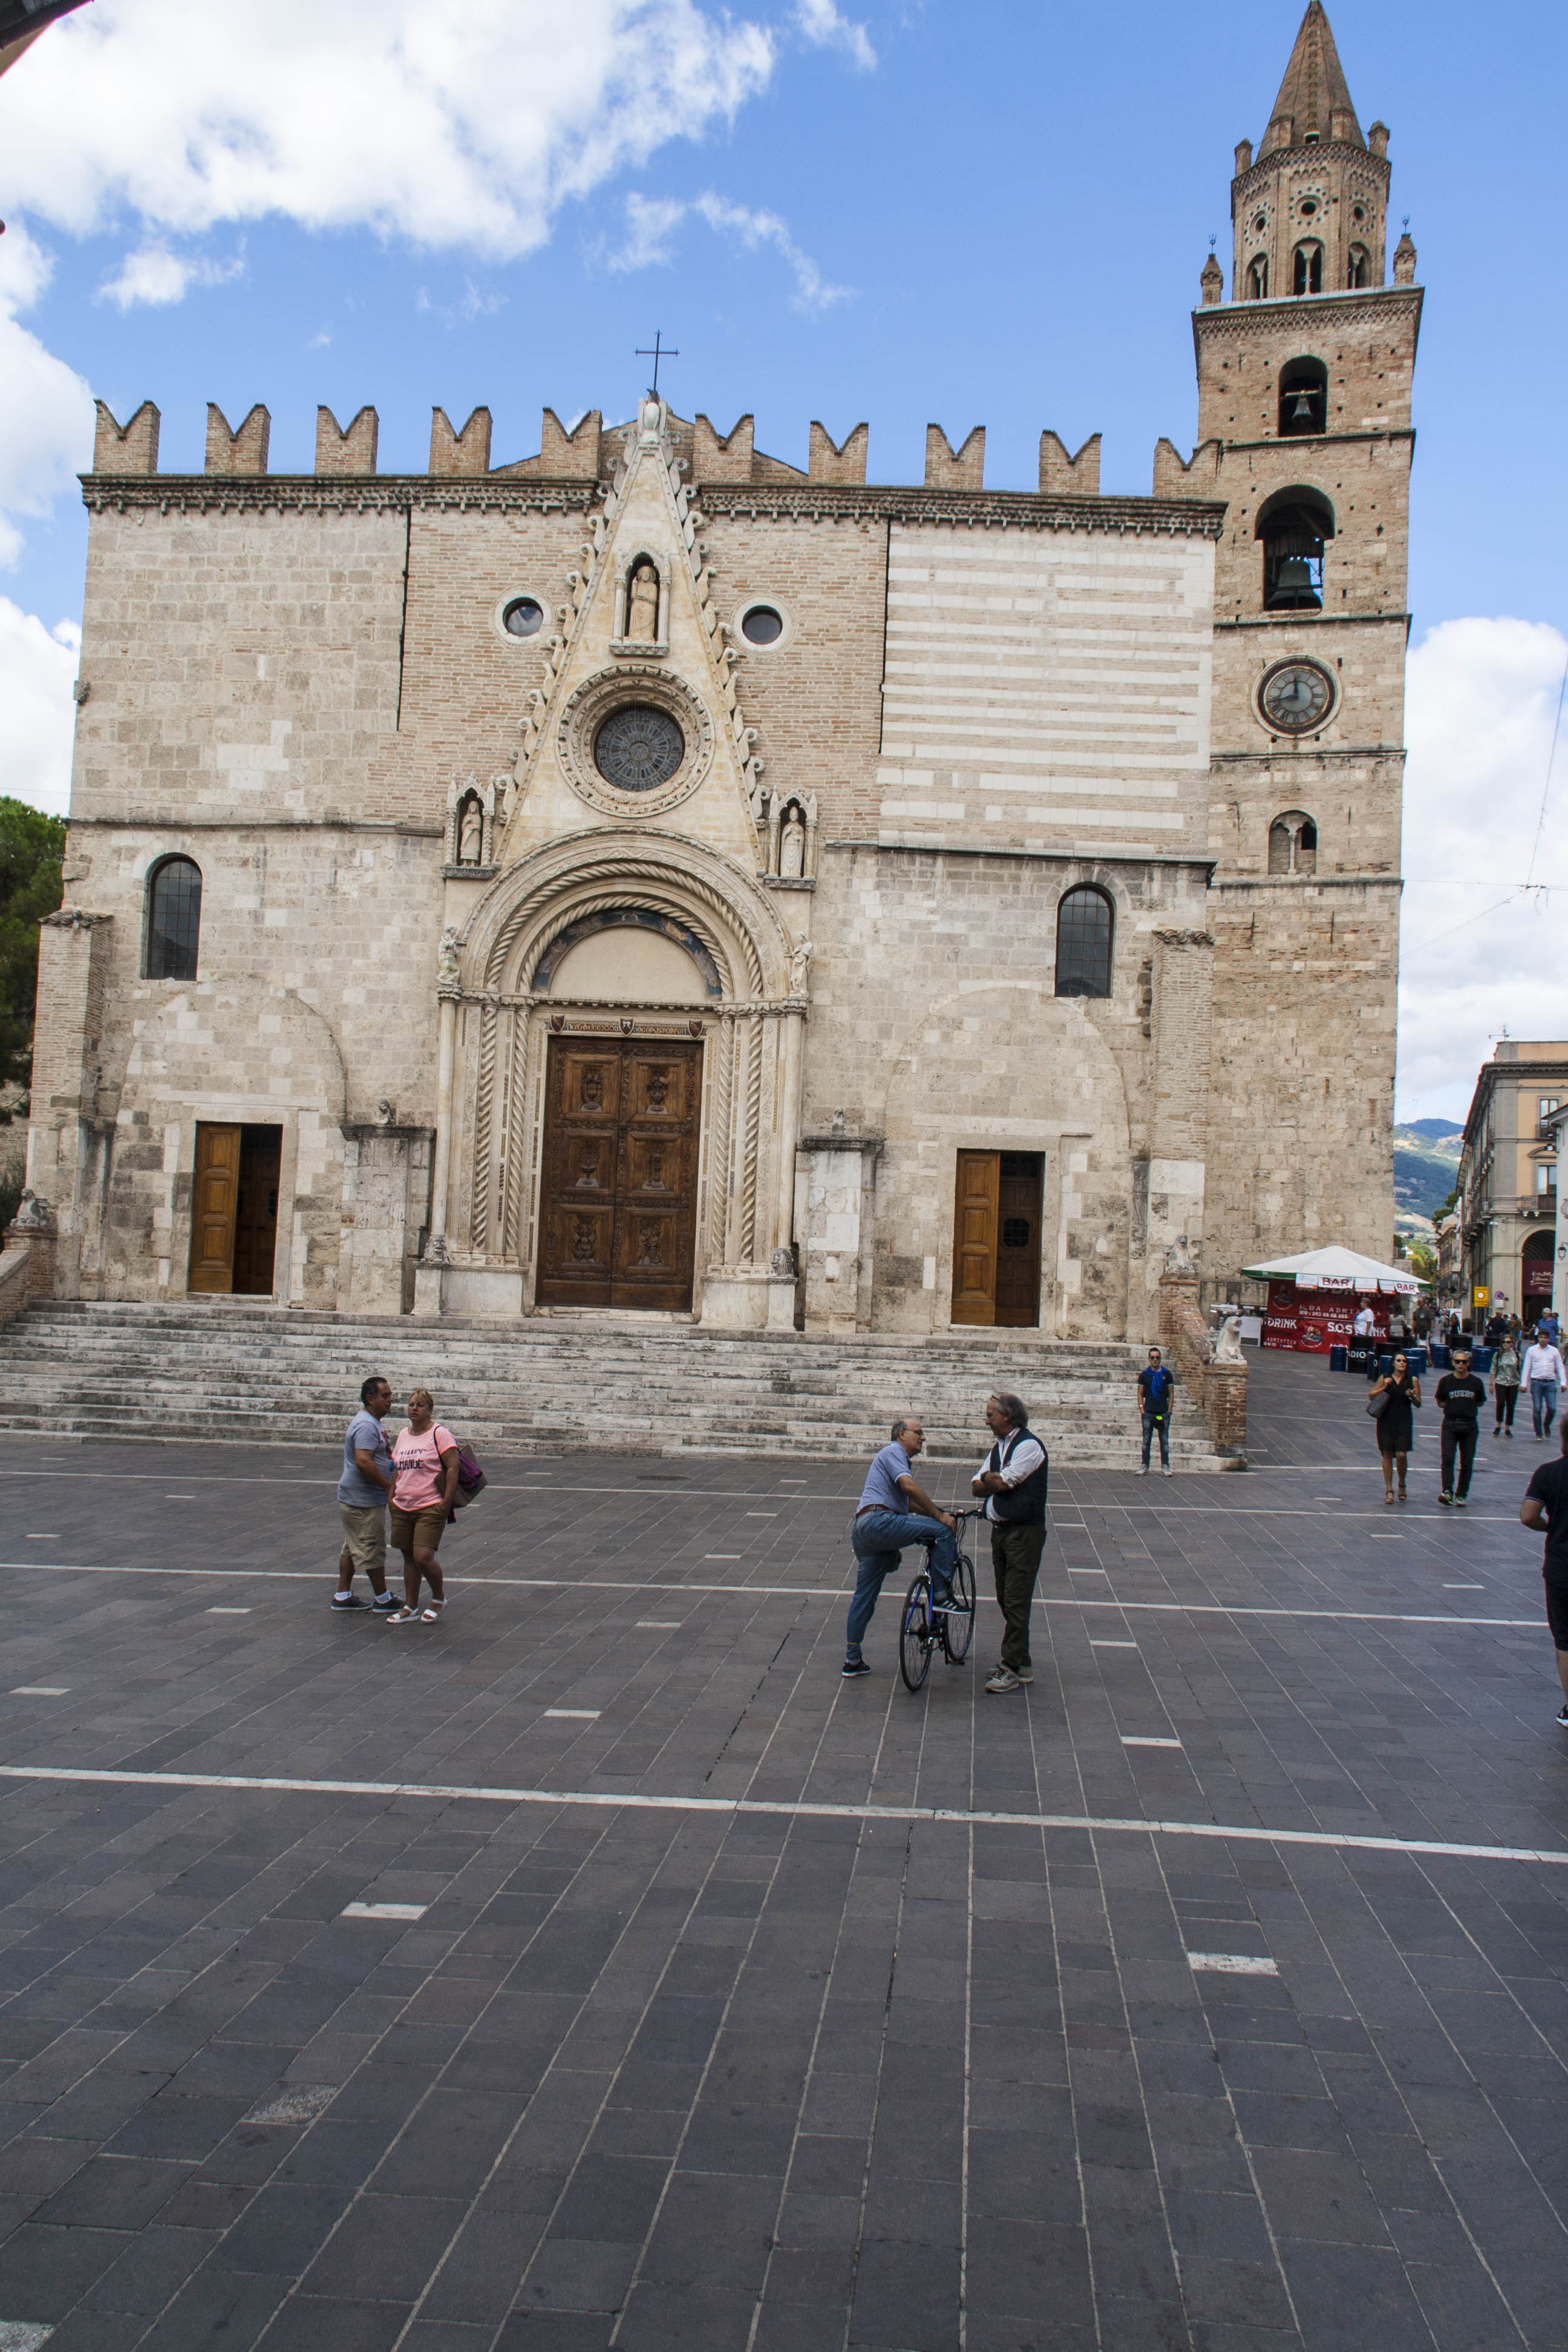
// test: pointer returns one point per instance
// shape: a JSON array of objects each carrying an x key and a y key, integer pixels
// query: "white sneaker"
[
  {"x": 1167, "y": 1472},
  {"x": 1144, "y": 1471}
]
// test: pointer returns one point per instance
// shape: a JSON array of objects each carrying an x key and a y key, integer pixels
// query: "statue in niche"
[
  {"x": 791, "y": 845},
  {"x": 471, "y": 833},
  {"x": 449, "y": 964},
  {"x": 642, "y": 604},
  {"x": 798, "y": 964}
]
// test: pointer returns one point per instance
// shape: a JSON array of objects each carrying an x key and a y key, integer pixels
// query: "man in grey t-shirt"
[{"x": 364, "y": 1492}]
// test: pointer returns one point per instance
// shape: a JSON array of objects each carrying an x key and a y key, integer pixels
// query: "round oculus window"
[
  {"x": 524, "y": 617},
  {"x": 1296, "y": 697},
  {"x": 762, "y": 625},
  {"x": 638, "y": 748}
]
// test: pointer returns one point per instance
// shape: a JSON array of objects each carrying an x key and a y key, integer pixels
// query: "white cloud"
[
  {"x": 652, "y": 221},
  {"x": 37, "y": 670},
  {"x": 153, "y": 275},
  {"x": 450, "y": 127},
  {"x": 1479, "y": 953},
  {"x": 46, "y": 408},
  {"x": 825, "y": 29}
]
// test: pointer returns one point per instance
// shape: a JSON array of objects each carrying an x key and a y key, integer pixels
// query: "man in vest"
[{"x": 1014, "y": 1481}]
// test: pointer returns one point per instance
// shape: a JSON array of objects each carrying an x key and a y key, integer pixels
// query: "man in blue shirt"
[
  {"x": 363, "y": 1491},
  {"x": 894, "y": 1511},
  {"x": 1154, "y": 1387}
]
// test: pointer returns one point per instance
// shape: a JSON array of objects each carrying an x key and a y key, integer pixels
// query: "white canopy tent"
[{"x": 1336, "y": 1269}]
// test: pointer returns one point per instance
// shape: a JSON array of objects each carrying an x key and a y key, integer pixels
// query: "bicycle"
[{"x": 921, "y": 1627}]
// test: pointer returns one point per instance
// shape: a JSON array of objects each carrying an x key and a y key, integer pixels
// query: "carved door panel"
[
  {"x": 974, "y": 1237},
  {"x": 577, "y": 1224},
  {"x": 620, "y": 1209},
  {"x": 215, "y": 1191},
  {"x": 1020, "y": 1184}
]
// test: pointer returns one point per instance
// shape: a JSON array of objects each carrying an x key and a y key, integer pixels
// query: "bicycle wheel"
[
  {"x": 914, "y": 1635},
  {"x": 957, "y": 1633}
]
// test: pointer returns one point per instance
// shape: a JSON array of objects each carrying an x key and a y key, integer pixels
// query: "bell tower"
[{"x": 1304, "y": 422}]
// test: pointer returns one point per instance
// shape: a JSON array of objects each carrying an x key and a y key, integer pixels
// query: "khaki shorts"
[
  {"x": 420, "y": 1530},
  {"x": 364, "y": 1537}
]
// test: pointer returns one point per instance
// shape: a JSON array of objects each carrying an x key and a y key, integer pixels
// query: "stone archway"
[{"x": 500, "y": 1010}]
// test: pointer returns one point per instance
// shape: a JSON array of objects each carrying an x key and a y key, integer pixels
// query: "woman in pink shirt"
[{"x": 425, "y": 1463}]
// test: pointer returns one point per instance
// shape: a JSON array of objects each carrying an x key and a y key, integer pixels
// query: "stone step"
[{"x": 268, "y": 1375}]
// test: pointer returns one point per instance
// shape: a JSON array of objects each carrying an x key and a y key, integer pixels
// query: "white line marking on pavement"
[
  {"x": 33, "y": 1537},
  {"x": 296, "y": 2103},
  {"x": 40, "y": 1690},
  {"x": 818, "y": 1593},
  {"x": 575, "y": 1713},
  {"x": 660, "y": 1624},
  {"x": 383, "y": 1910},
  {"x": 1233, "y": 1964},
  {"x": 1349, "y": 1842},
  {"x": 1110, "y": 1645},
  {"x": 1138, "y": 1739},
  {"x": 1464, "y": 1588},
  {"x": 228, "y": 1612}
]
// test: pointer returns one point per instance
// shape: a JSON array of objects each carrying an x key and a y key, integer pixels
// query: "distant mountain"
[
  {"x": 1426, "y": 1164},
  {"x": 1434, "y": 1130}
]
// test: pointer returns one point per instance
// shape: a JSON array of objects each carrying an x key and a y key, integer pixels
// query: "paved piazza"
[{"x": 1209, "y": 1995}]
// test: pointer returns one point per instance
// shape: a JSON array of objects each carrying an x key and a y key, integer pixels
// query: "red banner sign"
[{"x": 1313, "y": 1321}]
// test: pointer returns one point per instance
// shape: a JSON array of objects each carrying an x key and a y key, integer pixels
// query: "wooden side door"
[
  {"x": 256, "y": 1210},
  {"x": 582, "y": 1140},
  {"x": 656, "y": 1206},
  {"x": 215, "y": 1195},
  {"x": 1020, "y": 1187},
  {"x": 974, "y": 1237}
]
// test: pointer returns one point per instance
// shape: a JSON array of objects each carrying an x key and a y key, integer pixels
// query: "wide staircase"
[{"x": 271, "y": 1376}]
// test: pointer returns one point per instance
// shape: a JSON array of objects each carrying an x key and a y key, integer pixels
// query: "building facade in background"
[
  {"x": 651, "y": 875},
  {"x": 1507, "y": 1177}
]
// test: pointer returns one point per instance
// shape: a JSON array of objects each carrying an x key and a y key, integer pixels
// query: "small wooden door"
[
  {"x": 215, "y": 1195},
  {"x": 974, "y": 1237},
  {"x": 996, "y": 1238},
  {"x": 256, "y": 1210},
  {"x": 618, "y": 1226},
  {"x": 1020, "y": 1184}
]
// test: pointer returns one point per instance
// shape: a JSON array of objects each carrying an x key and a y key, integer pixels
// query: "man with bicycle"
[
  {"x": 895, "y": 1511},
  {"x": 1013, "y": 1480}
]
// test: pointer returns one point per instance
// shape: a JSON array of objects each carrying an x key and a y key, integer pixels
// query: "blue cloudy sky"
[{"x": 898, "y": 211}]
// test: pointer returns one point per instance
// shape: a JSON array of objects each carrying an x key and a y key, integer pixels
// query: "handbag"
[
  {"x": 470, "y": 1478},
  {"x": 1376, "y": 1406}
]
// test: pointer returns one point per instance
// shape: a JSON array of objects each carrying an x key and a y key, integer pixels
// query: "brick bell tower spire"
[{"x": 1311, "y": 213}]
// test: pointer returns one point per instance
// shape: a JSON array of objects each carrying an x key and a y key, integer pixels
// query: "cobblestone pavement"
[{"x": 742, "y": 2007}]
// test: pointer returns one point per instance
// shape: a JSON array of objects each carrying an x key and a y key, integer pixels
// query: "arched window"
[
  {"x": 1083, "y": 944},
  {"x": 1293, "y": 843},
  {"x": 1358, "y": 268},
  {"x": 173, "y": 919},
  {"x": 1308, "y": 272},
  {"x": 1294, "y": 526},
  {"x": 1303, "y": 397},
  {"x": 1257, "y": 278}
]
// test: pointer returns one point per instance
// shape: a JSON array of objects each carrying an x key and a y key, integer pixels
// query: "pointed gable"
[{"x": 1314, "y": 102}]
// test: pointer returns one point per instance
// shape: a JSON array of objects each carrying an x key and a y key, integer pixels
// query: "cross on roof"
[{"x": 660, "y": 351}]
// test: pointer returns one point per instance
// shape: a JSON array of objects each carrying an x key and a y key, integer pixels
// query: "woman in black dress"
[{"x": 1397, "y": 1421}]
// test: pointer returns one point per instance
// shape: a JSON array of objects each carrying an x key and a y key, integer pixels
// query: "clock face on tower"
[{"x": 1297, "y": 697}]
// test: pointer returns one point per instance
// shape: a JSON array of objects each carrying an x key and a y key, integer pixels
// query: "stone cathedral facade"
[{"x": 649, "y": 876}]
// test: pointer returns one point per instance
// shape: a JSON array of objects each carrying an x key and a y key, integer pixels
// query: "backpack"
[{"x": 470, "y": 1479}]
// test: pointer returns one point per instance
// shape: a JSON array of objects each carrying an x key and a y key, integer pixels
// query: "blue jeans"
[
  {"x": 878, "y": 1537},
  {"x": 1543, "y": 1405},
  {"x": 1161, "y": 1423}
]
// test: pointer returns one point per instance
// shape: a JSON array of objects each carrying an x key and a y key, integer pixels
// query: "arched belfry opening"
[
  {"x": 1307, "y": 267},
  {"x": 1294, "y": 526},
  {"x": 1303, "y": 398}
]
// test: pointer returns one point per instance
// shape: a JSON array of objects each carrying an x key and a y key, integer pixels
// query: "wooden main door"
[
  {"x": 618, "y": 1225},
  {"x": 996, "y": 1238},
  {"x": 234, "y": 1208}
]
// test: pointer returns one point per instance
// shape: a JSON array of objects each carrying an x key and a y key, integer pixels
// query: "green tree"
[
  {"x": 1422, "y": 1256},
  {"x": 32, "y": 847}
]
